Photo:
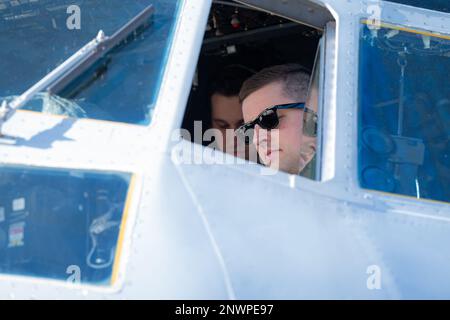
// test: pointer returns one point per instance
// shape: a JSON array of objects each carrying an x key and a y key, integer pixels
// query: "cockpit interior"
[{"x": 251, "y": 39}]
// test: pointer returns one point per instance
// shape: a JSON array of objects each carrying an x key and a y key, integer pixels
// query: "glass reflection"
[{"x": 404, "y": 118}]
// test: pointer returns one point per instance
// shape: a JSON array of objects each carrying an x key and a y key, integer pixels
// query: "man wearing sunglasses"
[{"x": 273, "y": 102}]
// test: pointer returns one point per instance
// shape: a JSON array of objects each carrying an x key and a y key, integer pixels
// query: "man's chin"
[
  {"x": 275, "y": 165},
  {"x": 285, "y": 167},
  {"x": 267, "y": 162}
]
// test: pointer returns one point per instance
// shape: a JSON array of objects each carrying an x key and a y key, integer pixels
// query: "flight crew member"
[
  {"x": 226, "y": 110},
  {"x": 273, "y": 102}
]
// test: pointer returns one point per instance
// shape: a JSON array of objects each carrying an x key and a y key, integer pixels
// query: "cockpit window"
[
  {"x": 404, "y": 111},
  {"x": 38, "y": 36},
  {"x": 438, "y": 5},
  {"x": 62, "y": 224}
]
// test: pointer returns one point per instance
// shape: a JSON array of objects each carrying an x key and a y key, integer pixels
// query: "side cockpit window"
[
  {"x": 310, "y": 147},
  {"x": 257, "y": 90},
  {"x": 404, "y": 111}
]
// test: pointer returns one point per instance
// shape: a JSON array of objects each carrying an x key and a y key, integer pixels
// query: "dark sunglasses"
[{"x": 268, "y": 120}]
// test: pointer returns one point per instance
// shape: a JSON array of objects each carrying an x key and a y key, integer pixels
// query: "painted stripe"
[
  {"x": 120, "y": 241},
  {"x": 400, "y": 28},
  {"x": 398, "y": 196}
]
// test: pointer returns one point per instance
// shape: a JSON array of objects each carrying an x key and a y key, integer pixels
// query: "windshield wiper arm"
[
  {"x": 105, "y": 45},
  {"x": 76, "y": 65}
]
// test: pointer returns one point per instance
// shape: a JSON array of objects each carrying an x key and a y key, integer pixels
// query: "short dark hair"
[
  {"x": 228, "y": 80},
  {"x": 294, "y": 77}
]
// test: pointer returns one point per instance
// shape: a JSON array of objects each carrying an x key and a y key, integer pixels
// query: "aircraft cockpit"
[{"x": 240, "y": 40}]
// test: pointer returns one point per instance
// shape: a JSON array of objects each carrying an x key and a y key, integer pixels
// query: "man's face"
[
  {"x": 279, "y": 148},
  {"x": 227, "y": 115}
]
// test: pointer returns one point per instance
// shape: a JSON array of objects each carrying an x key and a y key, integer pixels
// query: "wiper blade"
[{"x": 77, "y": 64}]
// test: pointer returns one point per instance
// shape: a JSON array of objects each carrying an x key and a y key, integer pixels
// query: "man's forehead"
[
  {"x": 267, "y": 96},
  {"x": 223, "y": 106}
]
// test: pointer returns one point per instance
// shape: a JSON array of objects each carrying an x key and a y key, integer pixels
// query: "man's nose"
[{"x": 259, "y": 135}]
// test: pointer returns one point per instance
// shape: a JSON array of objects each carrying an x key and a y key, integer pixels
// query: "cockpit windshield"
[{"x": 38, "y": 36}]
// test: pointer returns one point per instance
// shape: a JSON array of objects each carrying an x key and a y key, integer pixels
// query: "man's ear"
[
  {"x": 307, "y": 150},
  {"x": 309, "y": 138}
]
